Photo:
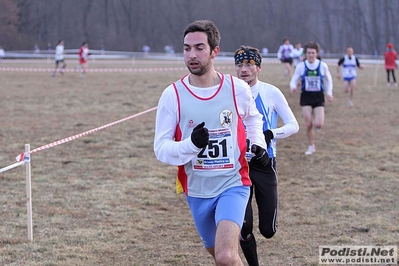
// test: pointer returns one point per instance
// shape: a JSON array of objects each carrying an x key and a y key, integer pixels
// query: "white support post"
[{"x": 28, "y": 192}]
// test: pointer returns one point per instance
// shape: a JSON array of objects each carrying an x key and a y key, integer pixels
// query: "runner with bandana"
[{"x": 272, "y": 104}]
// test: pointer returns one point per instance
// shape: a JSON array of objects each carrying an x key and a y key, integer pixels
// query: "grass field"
[{"x": 104, "y": 199}]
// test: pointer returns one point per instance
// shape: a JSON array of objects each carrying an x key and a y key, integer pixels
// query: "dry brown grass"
[{"x": 104, "y": 199}]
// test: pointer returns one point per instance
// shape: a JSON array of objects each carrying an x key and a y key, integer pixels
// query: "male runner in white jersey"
[
  {"x": 349, "y": 63},
  {"x": 272, "y": 104},
  {"x": 59, "y": 58},
  {"x": 312, "y": 73},
  {"x": 199, "y": 127}
]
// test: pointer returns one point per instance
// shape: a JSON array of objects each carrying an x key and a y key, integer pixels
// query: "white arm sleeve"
[
  {"x": 328, "y": 78},
  {"x": 283, "y": 110},
  {"x": 250, "y": 114},
  {"x": 166, "y": 149},
  {"x": 300, "y": 68}
]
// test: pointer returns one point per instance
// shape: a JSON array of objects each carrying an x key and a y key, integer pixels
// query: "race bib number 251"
[{"x": 218, "y": 154}]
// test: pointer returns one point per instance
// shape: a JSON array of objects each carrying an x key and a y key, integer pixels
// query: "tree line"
[{"x": 128, "y": 25}]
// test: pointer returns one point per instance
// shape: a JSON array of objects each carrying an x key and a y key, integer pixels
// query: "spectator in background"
[
  {"x": 265, "y": 51},
  {"x": 390, "y": 63},
  {"x": 59, "y": 58},
  {"x": 2, "y": 53},
  {"x": 284, "y": 54},
  {"x": 36, "y": 49},
  {"x": 167, "y": 49},
  {"x": 83, "y": 56},
  {"x": 146, "y": 49},
  {"x": 349, "y": 65}
]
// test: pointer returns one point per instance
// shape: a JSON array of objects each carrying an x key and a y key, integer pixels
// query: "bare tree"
[
  {"x": 8, "y": 23},
  {"x": 86, "y": 11},
  {"x": 130, "y": 24}
]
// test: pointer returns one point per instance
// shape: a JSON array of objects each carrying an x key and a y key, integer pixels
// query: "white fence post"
[{"x": 28, "y": 192}]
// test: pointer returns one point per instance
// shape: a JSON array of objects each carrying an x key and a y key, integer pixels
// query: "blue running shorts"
[{"x": 230, "y": 205}]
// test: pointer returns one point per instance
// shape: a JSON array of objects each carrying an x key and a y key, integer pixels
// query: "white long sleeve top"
[{"x": 272, "y": 104}]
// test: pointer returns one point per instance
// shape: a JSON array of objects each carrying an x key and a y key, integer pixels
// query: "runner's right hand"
[
  {"x": 261, "y": 158},
  {"x": 200, "y": 136}
]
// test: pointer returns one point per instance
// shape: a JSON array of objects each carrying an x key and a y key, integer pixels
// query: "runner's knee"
[{"x": 268, "y": 231}]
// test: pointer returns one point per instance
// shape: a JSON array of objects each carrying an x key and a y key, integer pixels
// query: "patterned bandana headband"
[{"x": 244, "y": 56}]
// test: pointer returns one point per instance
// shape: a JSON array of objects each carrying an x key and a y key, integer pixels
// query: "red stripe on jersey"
[
  {"x": 196, "y": 96},
  {"x": 242, "y": 143}
]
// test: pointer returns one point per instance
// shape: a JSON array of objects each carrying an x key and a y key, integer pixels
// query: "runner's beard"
[
  {"x": 249, "y": 80},
  {"x": 198, "y": 71}
]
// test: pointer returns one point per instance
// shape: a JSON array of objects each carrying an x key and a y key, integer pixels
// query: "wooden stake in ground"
[{"x": 28, "y": 193}]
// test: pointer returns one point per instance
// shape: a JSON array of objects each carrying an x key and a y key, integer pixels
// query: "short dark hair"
[
  {"x": 311, "y": 45},
  {"x": 286, "y": 39},
  {"x": 207, "y": 27}
]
